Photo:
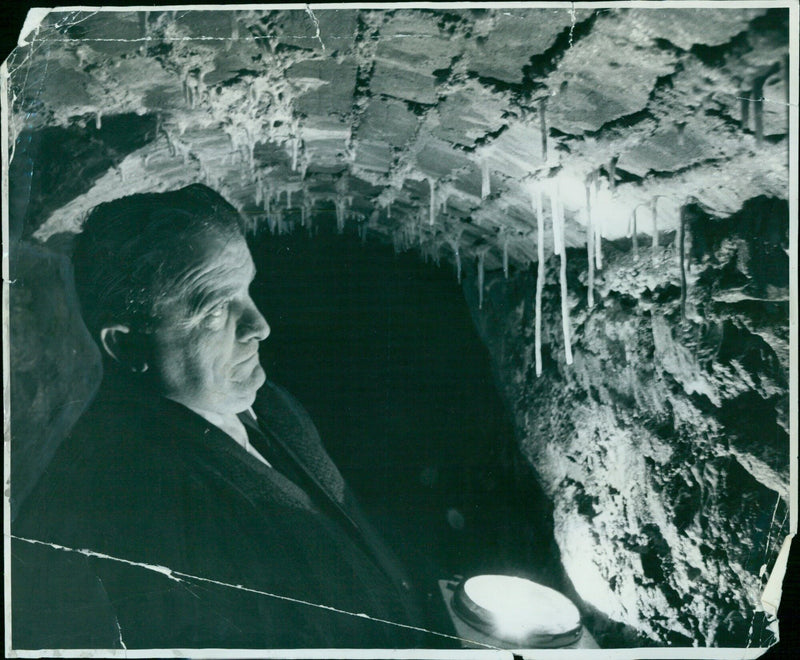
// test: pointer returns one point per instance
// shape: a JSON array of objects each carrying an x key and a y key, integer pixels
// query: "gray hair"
[{"x": 132, "y": 250}]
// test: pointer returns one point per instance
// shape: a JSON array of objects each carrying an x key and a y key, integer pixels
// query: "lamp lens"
[{"x": 518, "y": 609}]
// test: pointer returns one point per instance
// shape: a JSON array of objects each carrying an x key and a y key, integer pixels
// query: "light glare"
[{"x": 520, "y": 607}]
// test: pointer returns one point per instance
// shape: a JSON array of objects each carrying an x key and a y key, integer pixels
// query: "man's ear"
[{"x": 116, "y": 343}]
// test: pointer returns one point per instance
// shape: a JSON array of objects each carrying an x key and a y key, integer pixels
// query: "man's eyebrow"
[{"x": 205, "y": 297}]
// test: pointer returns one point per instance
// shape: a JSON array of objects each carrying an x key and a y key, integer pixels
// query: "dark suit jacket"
[{"x": 144, "y": 479}]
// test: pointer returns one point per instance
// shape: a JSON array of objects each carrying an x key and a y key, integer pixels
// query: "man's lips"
[{"x": 247, "y": 359}]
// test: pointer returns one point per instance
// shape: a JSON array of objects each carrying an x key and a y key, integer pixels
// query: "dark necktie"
[{"x": 275, "y": 455}]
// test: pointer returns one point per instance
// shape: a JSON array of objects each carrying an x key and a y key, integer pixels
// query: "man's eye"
[{"x": 217, "y": 312}]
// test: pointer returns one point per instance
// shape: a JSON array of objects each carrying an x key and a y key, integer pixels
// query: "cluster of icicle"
[{"x": 559, "y": 248}]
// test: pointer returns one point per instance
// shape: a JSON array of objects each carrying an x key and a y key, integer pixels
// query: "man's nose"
[{"x": 252, "y": 325}]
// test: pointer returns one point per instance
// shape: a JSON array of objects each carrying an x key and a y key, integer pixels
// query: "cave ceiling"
[{"x": 427, "y": 127}]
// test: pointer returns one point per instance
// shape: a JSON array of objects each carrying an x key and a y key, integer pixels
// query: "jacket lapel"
[
  {"x": 287, "y": 461},
  {"x": 287, "y": 428}
]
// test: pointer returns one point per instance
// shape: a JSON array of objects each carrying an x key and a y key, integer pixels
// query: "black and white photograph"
[{"x": 435, "y": 330}]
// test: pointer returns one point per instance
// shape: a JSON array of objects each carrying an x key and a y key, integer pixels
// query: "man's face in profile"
[{"x": 206, "y": 338}]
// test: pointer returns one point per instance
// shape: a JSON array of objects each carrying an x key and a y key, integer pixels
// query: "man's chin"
[
  {"x": 261, "y": 378},
  {"x": 249, "y": 388}
]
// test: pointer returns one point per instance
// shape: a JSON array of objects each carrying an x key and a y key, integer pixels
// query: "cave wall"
[
  {"x": 55, "y": 367},
  {"x": 663, "y": 446}
]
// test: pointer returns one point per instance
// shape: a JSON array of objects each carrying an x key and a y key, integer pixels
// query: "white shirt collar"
[{"x": 232, "y": 426}]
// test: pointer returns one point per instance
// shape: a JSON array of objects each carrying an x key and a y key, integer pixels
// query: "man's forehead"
[
  {"x": 225, "y": 254},
  {"x": 217, "y": 264}
]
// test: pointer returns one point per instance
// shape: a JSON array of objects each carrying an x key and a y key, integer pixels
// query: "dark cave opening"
[{"x": 381, "y": 349}]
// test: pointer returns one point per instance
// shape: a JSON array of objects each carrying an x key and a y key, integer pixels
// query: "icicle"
[
  {"x": 505, "y": 255},
  {"x": 454, "y": 244},
  {"x": 486, "y": 182},
  {"x": 635, "y": 237},
  {"x": 559, "y": 227},
  {"x": 539, "y": 280},
  {"x": 277, "y": 217},
  {"x": 98, "y": 120},
  {"x": 558, "y": 246},
  {"x": 389, "y": 211},
  {"x": 481, "y": 269},
  {"x": 590, "y": 245},
  {"x": 441, "y": 200},
  {"x": 432, "y": 209},
  {"x": 543, "y": 126},
  {"x": 539, "y": 203},
  {"x": 598, "y": 234},
  {"x": 295, "y": 150}
]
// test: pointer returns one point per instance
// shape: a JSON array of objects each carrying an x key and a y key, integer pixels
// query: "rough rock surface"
[
  {"x": 412, "y": 120},
  {"x": 56, "y": 365},
  {"x": 663, "y": 446}
]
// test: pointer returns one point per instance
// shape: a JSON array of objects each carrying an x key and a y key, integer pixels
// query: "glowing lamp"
[{"x": 517, "y": 611}]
